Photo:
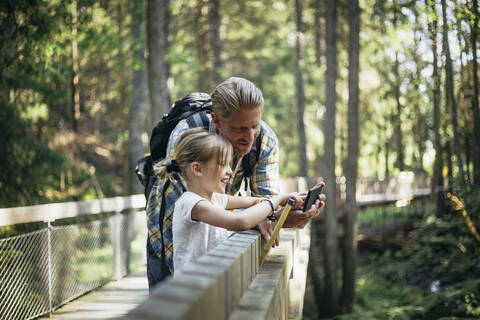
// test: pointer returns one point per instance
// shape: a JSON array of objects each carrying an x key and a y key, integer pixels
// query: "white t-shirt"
[{"x": 192, "y": 239}]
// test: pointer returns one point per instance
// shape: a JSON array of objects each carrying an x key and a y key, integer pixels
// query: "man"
[{"x": 236, "y": 114}]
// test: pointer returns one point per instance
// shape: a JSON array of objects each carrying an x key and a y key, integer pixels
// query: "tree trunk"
[
  {"x": 397, "y": 120},
  {"x": 314, "y": 259},
  {"x": 122, "y": 101},
  {"x": 449, "y": 155},
  {"x": 215, "y": 21},
  {"x": 299, "y": 64},
  {"x": 387, "y": 155},
  {"x": 475, "y": 107},
  {"x": 139, "y": 107},
  {"x": 351, "y": 169},
  {"x": 203, "y": 47},
  {"x": 420, "y": 130},
  {"x": 450, "y": 95},
  {"x": 329, "y": 159},
  {"x": 157, "y": 37},
  {"x": 437, "y": 181},
  {"x": 75, "y": 69},
  {"x": 318, "y": 12}
]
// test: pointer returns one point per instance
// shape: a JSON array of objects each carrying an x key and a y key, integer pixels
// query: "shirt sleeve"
[
  {"x": 265, "y": 177},
  {"x": 185, "y": 204},
  {"x": 177, "y": 132},
  {"x": 220, "y": 200}
]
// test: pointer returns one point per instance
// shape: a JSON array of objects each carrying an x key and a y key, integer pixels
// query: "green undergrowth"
[
  {"x": 377, "y": 297},
  {"x": 435, "y": 275}
]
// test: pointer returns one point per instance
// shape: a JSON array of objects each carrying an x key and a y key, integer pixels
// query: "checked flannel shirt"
[{"x": 264, "y": 182}]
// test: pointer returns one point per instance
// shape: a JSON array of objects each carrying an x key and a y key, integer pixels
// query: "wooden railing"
[
  {"x": 227, "y": 282},
  {"x": 43, "y": 269},
  {"x": 54, "y": 211}
]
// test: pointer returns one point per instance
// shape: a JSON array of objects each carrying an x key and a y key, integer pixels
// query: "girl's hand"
[
  {"x": 266, "y": 229},
  {"x": 295, "y": 196}
]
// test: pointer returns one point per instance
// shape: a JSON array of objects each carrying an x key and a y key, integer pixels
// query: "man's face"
[{"x": 241, "y": 128}]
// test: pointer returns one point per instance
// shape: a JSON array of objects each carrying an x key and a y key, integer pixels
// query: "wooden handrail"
[
  {"x": 53, "y": 211},
  {"x": 383, "y": 199},
  {"x": 228, "y": 282}
]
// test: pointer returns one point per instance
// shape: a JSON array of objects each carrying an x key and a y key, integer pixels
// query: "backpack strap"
[
  {"x": 161, "y": 218},
  {"x": 165, "y": 268},
  {"x": 199, "y": 119},
  {"x": 249, "y": 160},
  {"x": 140, "y": 169}
]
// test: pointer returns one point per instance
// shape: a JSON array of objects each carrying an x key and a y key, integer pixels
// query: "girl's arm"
[
  {"x": 235, "y": 202},
  {"x": 204, "y": 211}
]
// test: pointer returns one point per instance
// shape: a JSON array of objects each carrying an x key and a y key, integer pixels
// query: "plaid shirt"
[{"x": 264, "y": 182}]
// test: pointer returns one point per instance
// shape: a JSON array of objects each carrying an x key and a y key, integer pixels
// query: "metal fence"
[{"x": 42, "y": 270}]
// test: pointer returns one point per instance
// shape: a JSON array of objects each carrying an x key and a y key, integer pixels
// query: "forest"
[{"x": 354, "y": 89}]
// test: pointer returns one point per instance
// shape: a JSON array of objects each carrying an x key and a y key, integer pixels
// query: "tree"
[
  {"x": 450, "y": 95},
  {"x": 158, "y": 68},
  {"x": 139, "y": 106},
  {"x": 75, "y": 70},
  {"x": 203, "y": 47},
  {"x": 437, "y": 180},
  {"x": 351, "y": 168},
  {"x": 329, "y": 159},
  {"x": 215, "y": 20},
  {"x": 299, "y": 64},
  {"x": 123, "y": 93},
  {"x": 318, "y": 12},
  {"x": 475, "y": 107},
  {"x": 416, "y": 98},
  {"x": 397, "y": 116}
]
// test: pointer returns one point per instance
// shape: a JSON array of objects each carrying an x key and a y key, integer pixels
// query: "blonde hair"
[
  {"x": 195, "y": 145},
  {"x": 234, "y": 94}
]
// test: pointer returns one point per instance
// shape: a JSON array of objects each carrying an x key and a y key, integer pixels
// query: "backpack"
[{"x": 193, "y": 107}]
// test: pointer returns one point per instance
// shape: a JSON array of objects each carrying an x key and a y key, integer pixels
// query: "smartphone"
[{"x": 312, "y": 196}]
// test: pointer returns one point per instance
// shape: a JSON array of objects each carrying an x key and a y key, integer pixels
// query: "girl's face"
[{"x": 216, "y": 177}]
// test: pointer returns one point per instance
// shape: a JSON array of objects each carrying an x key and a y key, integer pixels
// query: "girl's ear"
[{"x": 196, "y": 168}]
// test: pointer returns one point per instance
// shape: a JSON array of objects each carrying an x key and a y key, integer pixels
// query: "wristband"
[{"x": 272, "y": 217}]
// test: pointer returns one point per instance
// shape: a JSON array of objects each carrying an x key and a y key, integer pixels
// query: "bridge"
[{"x": 66, "y": 250}]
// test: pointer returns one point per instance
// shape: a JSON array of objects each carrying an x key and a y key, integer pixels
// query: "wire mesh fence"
[{"x": 42, "y": 270}]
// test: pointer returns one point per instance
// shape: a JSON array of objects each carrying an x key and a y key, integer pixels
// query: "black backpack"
[{"x": 194, "y": 108}]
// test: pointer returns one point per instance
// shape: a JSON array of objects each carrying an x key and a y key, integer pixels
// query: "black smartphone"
[{"x": 312, "y": 196}]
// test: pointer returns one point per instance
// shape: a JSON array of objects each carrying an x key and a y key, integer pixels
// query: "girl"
[{"x": 200, "y": 217}]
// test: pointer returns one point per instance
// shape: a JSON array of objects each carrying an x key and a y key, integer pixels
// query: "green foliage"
[
  {"x": 29, "y": 165},
  {"x": 380, "y": 298},
  {"x": 258, "y": 40},
  {"x": 443, "y": 266}
]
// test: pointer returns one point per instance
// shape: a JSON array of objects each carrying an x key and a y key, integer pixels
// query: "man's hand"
[
  {"x": 299, "y": 219},
  {"x": 266, "y": 229}
]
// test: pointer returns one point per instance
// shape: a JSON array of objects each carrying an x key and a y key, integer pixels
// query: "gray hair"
[{"x": 233, "y": 94}]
